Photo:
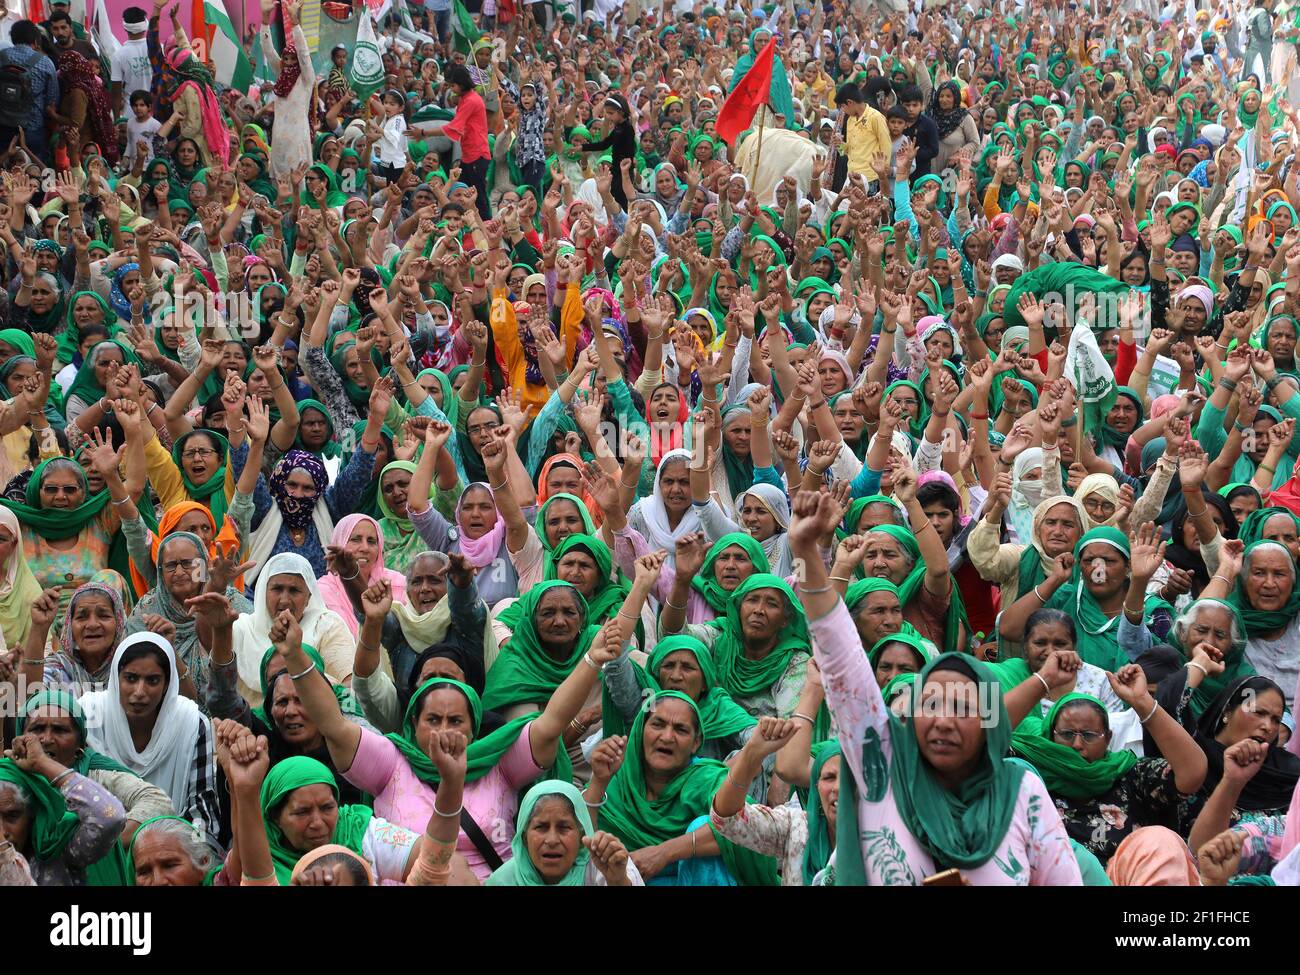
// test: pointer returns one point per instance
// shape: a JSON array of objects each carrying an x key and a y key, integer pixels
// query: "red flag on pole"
[{"x": 746, "y": 98}]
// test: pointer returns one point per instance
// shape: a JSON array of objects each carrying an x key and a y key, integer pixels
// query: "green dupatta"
[
  {"x": 54, "y": 825},
  {"x": 706, "y": 583},
  {"x": 525, "y": 673},
  {"x": 820, "y": 845},
  {"x": 958, "y": 828},
  {"x": 740, "y": 675},
  {"x": 720, "y": 716},
  {"x": 295, "y": 773},
  {"x": 211, "y": 492},
  {"x": 482, "y": 755},
  {"x": 1064, "y": 771},
  {"x": 519, "y": 870},
  {"x": 640, "y": 822},
  {"x": 55, "y": 524},
  {"x": 910, "y": 588}
]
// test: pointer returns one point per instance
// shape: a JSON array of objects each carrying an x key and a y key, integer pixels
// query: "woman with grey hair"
[
  {"x": 63, "y": 825},
  {"x": 169, "y": 851}
]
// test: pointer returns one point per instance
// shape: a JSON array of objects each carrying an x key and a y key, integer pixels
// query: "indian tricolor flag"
[{"x": 230, "y": 65}]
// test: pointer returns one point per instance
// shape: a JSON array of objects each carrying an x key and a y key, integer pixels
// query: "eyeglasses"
[
  {"x": 198, "y": 453},
  {"x": 175, "y": 565},
  {"x": 1067, "y": 737}
]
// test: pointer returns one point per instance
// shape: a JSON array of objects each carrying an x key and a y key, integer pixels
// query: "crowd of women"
[{"x": 482, "y": 483}]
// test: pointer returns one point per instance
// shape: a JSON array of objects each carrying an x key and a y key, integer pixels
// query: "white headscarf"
[
  {"x": 776, "y": 548},
  {"x": 1025, "y": 494},
  {"x": 652, "y": 515},
  {"x": 252, "y": 631},
  {"x": 168, "y": 758}
]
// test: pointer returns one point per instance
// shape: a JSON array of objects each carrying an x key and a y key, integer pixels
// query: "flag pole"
[{"x": 758, "y": 154}]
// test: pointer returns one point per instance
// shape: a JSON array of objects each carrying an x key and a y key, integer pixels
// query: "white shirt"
[
  {"x": 137, "y": 131},
  {"x": 131, "y": 67},
  {"x": 391, "y": 147}
]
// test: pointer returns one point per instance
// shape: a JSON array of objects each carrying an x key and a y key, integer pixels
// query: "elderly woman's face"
[
  {"x": 182, "y": 568},
  {"x": 44, "y": 294},
  {"x": 1270, "y": 578},
  {"x": 62, "y": 488},
  {"x": 160, "y": 860},
  {"x": 558, "y": 619},
  {"x": 363, "y": 545},
  {"x": 15, "y": 821},
  {"x": 763, "y": 614},
  {"x": 292, "y": 721},
  {"x": 258, "y": 275},
  {"x": 56, "y": 730},
  {"x": 670, "y": 738},
  {"x": 553, "y": 838},
  {"x": 21, "y": 373},
  {"x": 309, "y": 817},
  {"x": 287, "y": 591},
  {"x": 1211, "y": 625},
  {"x": 1082, "y": 728},
  {"x": 427, "y": 582}
]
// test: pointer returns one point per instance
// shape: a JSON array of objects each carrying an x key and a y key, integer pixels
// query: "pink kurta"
[
  {"x": 401, "y": 798},
  {"x": 1036, "y": 850}
]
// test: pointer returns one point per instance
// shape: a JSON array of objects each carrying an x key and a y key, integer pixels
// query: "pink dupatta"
[{"x": 334, "y": 591}]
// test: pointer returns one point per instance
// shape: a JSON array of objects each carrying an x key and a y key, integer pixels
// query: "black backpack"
[{"x": 15, "y": 96}]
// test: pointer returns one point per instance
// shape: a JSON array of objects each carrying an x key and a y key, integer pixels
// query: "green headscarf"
[
  {"x": 1252, "y": 529},
  {"x": 1110, "y": 437},
  {"x": 54, "y": 825},
  {"x": 20, "y": 341},
  {"x": 343, "y": 695},
  {"x": 525, "y": 673},
  {"x": 69, "y": 339},
  {"x": 334, "y": 197},
  {"x": 539, "y": 523},
  {"x": 913, "y": 641},
  {"x": 915, "y": 427},
  {"x": 1260, "y": 621},
  {"x": 450, "y": 402},
  {"x": 740, "y": 675},
  {"x": 87, "y": 758},
  {"x": 610, "y": 589},
  {"x": 211, "y": 492},
  {"x": 332, "y": 447},
  {"x": 720, "y": 716},
  {"x": 519, "y": 870},
  {"x": 820, "y": 845},
  {"x": 738, "y": 470},
  {"x": 402, "y": 543},
  {"x": 1097, "y": 634},
  {"x": 359, "y": 396},
  {"x": 85, "y": 385},
  {"x": 1235, "y": 664},
  {"x": 706, "y": 582},
  {"x": 910, "y": 588},
  {"x": 482, "y": 755},
  {"x": 959, "y": 828},
  {"x": 56, "y": 524},
  {"x": 295, "y": 773},
  {"x": 1064, "y": 771},
  {"x": 640, "y": 822}
]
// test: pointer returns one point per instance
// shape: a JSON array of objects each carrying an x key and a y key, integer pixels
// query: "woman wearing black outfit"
[{"x": 621, "y": 140}]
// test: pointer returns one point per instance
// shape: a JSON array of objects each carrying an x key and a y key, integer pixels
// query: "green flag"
[
  {"x": 367, "y": 75},
  {"x": 464, "y": 32}
]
